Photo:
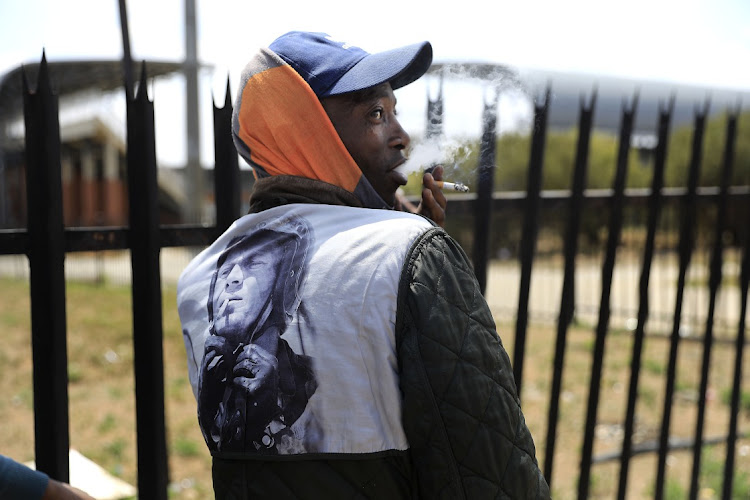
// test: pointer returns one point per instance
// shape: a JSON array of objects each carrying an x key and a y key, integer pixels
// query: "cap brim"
[{"x": 399, "y": 66}]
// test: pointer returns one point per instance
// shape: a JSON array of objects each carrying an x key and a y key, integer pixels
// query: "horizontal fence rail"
[{"x": 46, "y": 242}]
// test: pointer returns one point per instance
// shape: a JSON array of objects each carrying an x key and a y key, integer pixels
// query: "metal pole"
[
  {"x": 46, "y": 251},
  {"x": 688, "y": 213},
  {"x": 485, "y": 187},
  {"x": 530, "y": 229},
  {"x": 127, "y": 60},
  {"x": 227, "y": 186},
  {"x": 193, "y": 208},
  {"x": 567, "y": 298},
  {"x": 145, "y": 245}
]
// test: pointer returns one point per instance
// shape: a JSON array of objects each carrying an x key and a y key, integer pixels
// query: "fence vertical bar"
[
  {"x": 567, "y": 299},
  {"x": 737, "y": 379},
  {"x": 127, "y": 60},
  {"x": 46, "y": 253},
  {"x": 227, "y": 187},
  {"x": 654, "y": 211},
  {"x": 613, "y": 239},
  {"x": 686, "y": 244},
  {"x": 530, "y": 227},
  {"x": 143, "y": 238},
  {"x": 485, "y": 187},
  {"x": 714, "y": 283}
]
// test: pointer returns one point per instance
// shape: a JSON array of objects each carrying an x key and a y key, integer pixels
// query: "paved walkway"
[{"x": 503, "y": 287}]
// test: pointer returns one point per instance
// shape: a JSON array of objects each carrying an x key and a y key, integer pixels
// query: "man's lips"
[
  {"x": 226, "y": 302},
  {"x": 397, "y": 175}
]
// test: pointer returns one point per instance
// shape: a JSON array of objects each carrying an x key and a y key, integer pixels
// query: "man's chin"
[{"x": 398, "y": 177}]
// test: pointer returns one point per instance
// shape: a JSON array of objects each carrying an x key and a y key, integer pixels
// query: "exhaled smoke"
[{"x": 432, "y": 152}]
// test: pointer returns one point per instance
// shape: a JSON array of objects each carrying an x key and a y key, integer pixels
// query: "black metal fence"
[{"x": 46, "y": 242}]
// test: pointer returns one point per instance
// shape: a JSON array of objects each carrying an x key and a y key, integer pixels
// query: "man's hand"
[
  {"x": 215, "y": 346},
  {"x": 63, "y": 491},
  {"x": 433, "y": 200},
  {"x": 257, "y": 370}
]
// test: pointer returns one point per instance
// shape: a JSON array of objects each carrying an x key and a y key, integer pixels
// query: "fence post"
[
  {"x": 567, "y": 298},
  {"x": 613, "y": 239},
  {"x": 687, "y": 237},
  {"x": 737, "y": 379},
  {"x": 530, "y": 227},
  {"x": 714, "y": 283},
  {"x": 143, "y": 240},
  {"x": 654, "y": 211},
  {"x": 485, "y": 188},
  {"x": 46, "y": 252}
]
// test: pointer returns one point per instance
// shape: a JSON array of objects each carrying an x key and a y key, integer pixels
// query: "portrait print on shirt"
[{"x": 253, "y": 386}]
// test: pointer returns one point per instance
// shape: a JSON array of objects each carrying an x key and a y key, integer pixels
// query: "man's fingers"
[
  {"x": 432, "y": 208},
  {"x": 214, "y": 341},
  {"x": 255, "y": 370},
  {"x": 437, "y": 173},
  {"x": 433, "y": 199},
  {"x": 256, "y": 352}
]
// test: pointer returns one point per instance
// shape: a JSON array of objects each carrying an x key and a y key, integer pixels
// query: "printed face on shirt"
[
  {"x": 367, "y": 124},
  {"x": 243, "y": 291}
]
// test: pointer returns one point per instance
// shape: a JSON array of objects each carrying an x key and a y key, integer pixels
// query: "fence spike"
[
  {"x": 46, "y": 254},
  {"x": 142, "y": 92},
  {"x": 228, "y": 95},
  {"x": 43, "y": 85},
  {"x": 25, "y": 80}
]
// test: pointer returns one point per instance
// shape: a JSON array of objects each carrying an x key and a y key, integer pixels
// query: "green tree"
[
  {"x": 714, "y": 143},
  {"x": 513, "y": 151}
]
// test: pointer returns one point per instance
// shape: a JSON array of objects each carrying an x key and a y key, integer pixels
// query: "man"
[
  {"x": 18, "y": 482},
  {"x": 414, "y": 394},
  {"x": 252, "y": 295}
]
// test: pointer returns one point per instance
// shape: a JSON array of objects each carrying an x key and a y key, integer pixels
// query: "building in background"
[{"x": 93, "y": 146}]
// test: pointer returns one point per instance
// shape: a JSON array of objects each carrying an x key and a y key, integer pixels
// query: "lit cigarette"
[
  {"x": 223, "y": 306},
  {"x": 452, "y": 186}
]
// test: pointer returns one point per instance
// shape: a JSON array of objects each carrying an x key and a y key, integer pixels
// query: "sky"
[{"x": 697, "y": 42}]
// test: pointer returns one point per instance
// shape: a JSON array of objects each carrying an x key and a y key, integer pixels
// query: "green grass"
[
  {"x": 675, "y": 491},
  {"x": 188, "y": 447},
  {"x": 102, "y": 402},
  {"x": 101, "y": 384},
  {"x": 726, "y": 398},
  {"x": 712, "y": 475}
]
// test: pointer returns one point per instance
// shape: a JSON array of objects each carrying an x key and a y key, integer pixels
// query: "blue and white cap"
[{"x": 333, "y": 67}]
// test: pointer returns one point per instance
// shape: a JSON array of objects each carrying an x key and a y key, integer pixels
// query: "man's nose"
[
  {"x": 235, "y": 277},
  {"x": 400, "y": 138}
]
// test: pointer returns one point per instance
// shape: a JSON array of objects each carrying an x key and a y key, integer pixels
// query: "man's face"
[
  {"x": 243, "y": 287},
  {"x": 367, "y": 124}
]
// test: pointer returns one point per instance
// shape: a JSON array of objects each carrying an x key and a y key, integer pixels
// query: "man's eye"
[
  {"x": 377, "y": 114},
  {"x": 250, "y": 266}
]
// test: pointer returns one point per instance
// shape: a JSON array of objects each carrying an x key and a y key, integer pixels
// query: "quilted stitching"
[{"x": 469, "y": 427}]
